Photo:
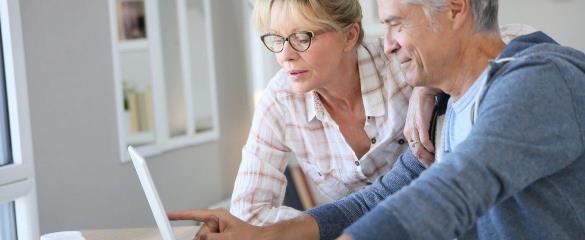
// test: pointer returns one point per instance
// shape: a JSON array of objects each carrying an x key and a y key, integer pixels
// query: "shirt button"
[
  {"x": 401, "y": 141},
  {"x": 373, "y": 140},
  {"x": 319, "y": 174},
  {"x": 369, "y": 117},
  {"x": 357, "y": 163}
]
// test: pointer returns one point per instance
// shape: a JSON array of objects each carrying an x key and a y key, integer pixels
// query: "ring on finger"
[{"x": 412, "y": 143}]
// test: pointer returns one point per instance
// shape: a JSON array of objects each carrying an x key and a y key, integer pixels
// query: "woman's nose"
[{"x": 288, "y": 53}]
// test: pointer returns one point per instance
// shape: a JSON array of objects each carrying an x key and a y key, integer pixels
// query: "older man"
[{"x": 514, "y": 139}]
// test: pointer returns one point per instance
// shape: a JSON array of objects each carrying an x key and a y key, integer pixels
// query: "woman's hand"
[{"x": 418, "y": 121}]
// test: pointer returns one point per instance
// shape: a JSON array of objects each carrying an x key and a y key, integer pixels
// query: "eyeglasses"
[{"x": 299, "y": 41}]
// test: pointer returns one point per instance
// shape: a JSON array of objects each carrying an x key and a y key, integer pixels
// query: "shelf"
[
  {"x": 174, "y": 143},
  {"x": 203, "y": 124},
  {"x": 175, "y": 62},
  {"x": 190, "y": 140},
  {"x": 140, "y": 138},
  {"x": 133, "y": 45}
]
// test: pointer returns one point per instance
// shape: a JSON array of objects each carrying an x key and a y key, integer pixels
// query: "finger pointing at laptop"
[{"x": 217, "y": 224}]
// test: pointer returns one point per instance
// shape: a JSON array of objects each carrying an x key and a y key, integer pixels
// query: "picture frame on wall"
[{"x": 131, "y": 19}]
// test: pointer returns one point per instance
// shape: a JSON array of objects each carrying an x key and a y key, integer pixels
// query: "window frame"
[{"x": 17, "y": 180}]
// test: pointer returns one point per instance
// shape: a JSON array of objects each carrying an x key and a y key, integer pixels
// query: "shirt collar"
[
  {"x": 310, "y": 99},
  {"x": 469, "y": 95}
]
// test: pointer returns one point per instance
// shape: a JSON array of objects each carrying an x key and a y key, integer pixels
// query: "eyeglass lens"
[{"x": 299, "y": 41}]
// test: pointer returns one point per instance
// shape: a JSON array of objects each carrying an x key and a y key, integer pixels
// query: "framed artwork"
[{"x": 131, "y": 19}]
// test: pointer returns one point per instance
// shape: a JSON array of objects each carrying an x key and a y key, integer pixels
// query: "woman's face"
[{"x": 318, "y": 66}]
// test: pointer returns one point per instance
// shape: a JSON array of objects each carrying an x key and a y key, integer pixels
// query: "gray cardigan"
[{"x": 520, "y": 174}]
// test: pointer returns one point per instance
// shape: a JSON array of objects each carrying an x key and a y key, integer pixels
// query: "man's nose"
[{"x": 390, "y": 44}]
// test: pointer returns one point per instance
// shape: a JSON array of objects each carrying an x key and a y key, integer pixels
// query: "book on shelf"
[
  {"x": 140, "y": 110},
  {"x": 145, "y": 111},
  {"x": 149, "y": 108},
  {"x": 133, "y": 110}
]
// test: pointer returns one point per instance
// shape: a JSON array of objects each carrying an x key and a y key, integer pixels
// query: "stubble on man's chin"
[{"x": 397, "y": 71}]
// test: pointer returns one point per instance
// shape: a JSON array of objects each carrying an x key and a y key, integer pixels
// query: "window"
[
  {"x": 18, "y": 207},
  {"x": 5, "y": 148},
  {"x": 7, "y": 221}
]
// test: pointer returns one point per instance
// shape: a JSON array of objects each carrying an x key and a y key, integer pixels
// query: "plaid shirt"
[{"x": 291, "y": 123}]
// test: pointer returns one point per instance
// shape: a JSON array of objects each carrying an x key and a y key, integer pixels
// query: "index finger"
[{"x": 194, "y": 214}]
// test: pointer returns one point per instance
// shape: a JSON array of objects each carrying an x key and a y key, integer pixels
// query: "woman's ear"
[{"x": 351, "y": 36}]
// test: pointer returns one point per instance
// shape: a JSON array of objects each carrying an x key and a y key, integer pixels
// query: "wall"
[
  {"x": 558, "y": 18},
  {"x": 561, "y": 19},
  {"x": 80, "y": 180}
]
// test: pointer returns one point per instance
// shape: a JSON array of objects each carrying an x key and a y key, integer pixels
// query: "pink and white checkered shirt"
[{"x": 291, "y": 123}]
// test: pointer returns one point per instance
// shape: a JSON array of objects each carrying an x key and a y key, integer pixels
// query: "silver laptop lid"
[{"x": 151, "y": 195}]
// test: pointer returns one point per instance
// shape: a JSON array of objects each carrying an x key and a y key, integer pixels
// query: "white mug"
[{"x": 67, "y": 235}]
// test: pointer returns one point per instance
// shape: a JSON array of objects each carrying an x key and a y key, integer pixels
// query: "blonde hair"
[{"x": 315, "y": 14}]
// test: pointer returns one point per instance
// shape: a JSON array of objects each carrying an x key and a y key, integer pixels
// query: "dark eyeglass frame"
[{"x": 311, "y": 35}]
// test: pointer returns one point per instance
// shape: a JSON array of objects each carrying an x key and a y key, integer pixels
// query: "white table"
[{"x": 181, "y": 233}]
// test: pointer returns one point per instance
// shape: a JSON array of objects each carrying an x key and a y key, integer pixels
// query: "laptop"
[{"x": 156, "y": 206}]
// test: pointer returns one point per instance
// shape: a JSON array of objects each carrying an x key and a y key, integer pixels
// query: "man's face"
[{"x": 423, "y": 52}]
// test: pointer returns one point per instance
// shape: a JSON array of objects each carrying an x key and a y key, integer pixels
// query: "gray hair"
[{"x": 484, "y": 12}]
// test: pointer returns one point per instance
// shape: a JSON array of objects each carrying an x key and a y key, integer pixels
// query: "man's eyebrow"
[{"x": 389, "y": 19}]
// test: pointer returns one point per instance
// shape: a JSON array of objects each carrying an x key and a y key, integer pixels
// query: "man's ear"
[
  {"x": 459, "y": 13},
  {"x": 351, "y": 36}
]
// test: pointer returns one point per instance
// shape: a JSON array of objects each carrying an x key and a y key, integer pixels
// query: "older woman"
[{"x": 334, "y": 105}]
